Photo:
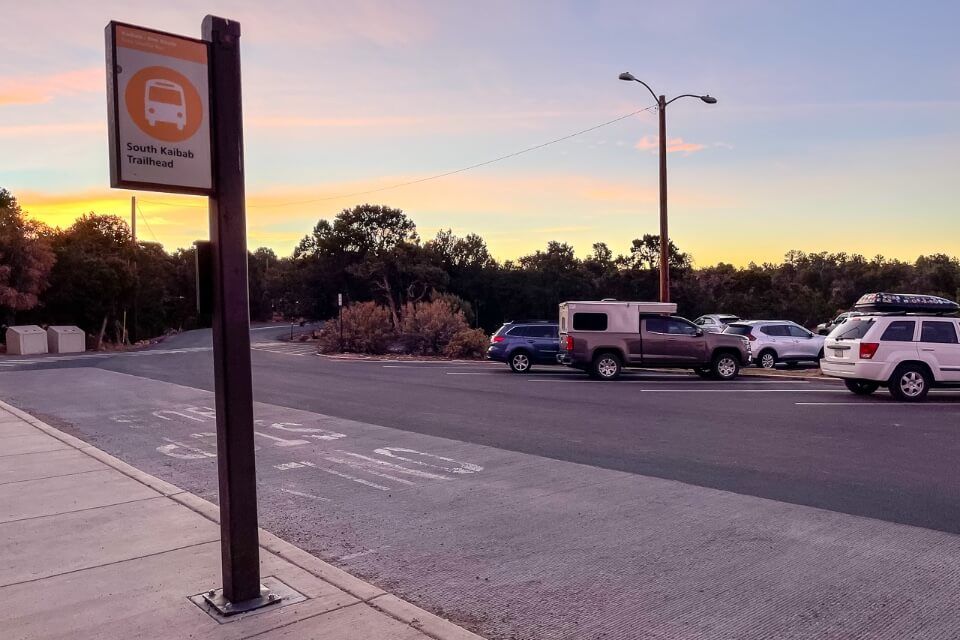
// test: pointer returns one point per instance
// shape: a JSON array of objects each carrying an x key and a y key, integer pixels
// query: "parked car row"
[
  {"x": 603, "y": 337},
  {"x": 907, "y": 343},
  {"x": 648, "y": 334}
]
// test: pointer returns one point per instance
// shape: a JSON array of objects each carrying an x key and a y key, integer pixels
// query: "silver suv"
[
  {"x": 774, "y": 341},
  {"x": 715, "y": 322}
]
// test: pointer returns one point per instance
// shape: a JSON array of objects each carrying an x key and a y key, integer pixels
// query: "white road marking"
[
  {"x": 195, "y": 454},
  {"x": 315, "y": 433},
  {"x": 471, "y": 373},
  {"x": 160, "y": 414},
  {"x": 867, "y": 403},
  {"x": 305, "y": 495},
  {"x": 395, "y": 468},
  {"x": 642, "y": 381},
  {"x": 460, "y": 467},
  {"x": 281, "y": 442},
  {"x": 283, "y": 353},
  {"x": 289, "y": 465},
  {"x": 745, "y": 390},
  {"x": 348, "y": 477}
]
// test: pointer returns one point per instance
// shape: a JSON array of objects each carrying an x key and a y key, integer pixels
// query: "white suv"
[{"x": 908, "y": 353}]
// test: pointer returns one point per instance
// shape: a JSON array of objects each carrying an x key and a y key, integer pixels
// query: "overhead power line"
[
  {"x": 428, "y": 178},
  {"x": 147, "y": 222}
]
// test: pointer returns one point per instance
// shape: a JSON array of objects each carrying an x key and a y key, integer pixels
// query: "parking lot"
[{"x": 549, "y": 505}]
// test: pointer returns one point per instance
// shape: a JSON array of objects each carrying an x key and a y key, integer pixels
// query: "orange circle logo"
[{"x": 164, "y": 104}]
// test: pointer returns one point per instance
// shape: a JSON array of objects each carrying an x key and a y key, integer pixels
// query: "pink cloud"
[
  {"x": 43, "y": 88},
  {"x": 652, "y": 143}
]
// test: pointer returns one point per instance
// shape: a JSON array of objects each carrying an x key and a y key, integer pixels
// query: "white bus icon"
[{"x": 163, "y": 101}]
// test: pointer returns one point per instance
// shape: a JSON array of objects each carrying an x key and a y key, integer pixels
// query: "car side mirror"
[{"x": 699, "y": 332}]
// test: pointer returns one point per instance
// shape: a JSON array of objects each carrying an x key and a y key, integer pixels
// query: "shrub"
[
  {"x": 469, "y": 343},
  {"x": 428, "y": 327},
  {"x": 366, "y": 329}
]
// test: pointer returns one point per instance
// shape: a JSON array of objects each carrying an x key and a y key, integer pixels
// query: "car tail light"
[
  {"x": 568, "y": 343},
  {"x": 496, "y": 339},
  {"x": 868, "y": 350},
  {"x": 751, "y": 336}
]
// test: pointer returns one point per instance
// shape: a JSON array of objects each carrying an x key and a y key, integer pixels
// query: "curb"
[{"x": 388, "y": 604}]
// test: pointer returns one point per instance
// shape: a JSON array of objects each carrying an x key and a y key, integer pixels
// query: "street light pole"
[
  {"x": 664, "y": 235},
  {"x": 662, "y": 103}
]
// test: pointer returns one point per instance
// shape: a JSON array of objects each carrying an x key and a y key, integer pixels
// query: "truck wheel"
[
  {"x": 725, "y": 366},
  {"x": 520, "y": 362},
  {"x": 606, "y": 366},
  {"x": 909, "y": 383},
  {"x": 862, "y": 387},
  {"x": 767, "y": 359}
]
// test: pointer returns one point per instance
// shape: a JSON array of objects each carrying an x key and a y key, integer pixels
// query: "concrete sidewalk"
[{"x": 94, "y": 548}]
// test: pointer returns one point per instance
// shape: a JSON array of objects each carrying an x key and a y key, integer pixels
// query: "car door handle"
[
  {"x": 926, "y": 349},
  {"x": 531, "y": 341}
]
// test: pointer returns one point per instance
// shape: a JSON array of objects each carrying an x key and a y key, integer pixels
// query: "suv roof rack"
[{"x": 905, "y": 303}]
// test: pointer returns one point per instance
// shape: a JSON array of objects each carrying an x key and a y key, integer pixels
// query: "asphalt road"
[{"x": 546, "y": 505}]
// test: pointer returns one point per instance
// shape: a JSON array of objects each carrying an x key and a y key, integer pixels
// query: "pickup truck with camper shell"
[{"x": 603, "y": 337}]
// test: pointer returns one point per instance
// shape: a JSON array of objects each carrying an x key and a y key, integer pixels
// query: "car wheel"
[
  {"x": 725, "y": 366},
  {"x": 703, "y": 373},
  {"x": 862, "y": 387},
  {"x": 606, "y": 366},
  {"x": 909, "y": 383},
  {"x": 767, "y": 359},
  {"x": 520, "y": 362}
]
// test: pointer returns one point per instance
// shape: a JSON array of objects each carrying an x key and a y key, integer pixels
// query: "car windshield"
[
  {"x": 852, "y": 329},
  {"x": 738, "y": 329}
]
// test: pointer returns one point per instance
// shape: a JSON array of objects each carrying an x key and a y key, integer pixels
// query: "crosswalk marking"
[{"x": 286, "y": 348}]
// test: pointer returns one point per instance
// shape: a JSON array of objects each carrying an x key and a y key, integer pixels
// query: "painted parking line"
[
  {"x": 691, "y": 379},
  {"x": 472, "y": 373},
  {"x": 882, "y": 403},
  {"x": 746, "y": 390}
]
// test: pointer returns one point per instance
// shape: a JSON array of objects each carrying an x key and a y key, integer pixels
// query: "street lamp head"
[
  {"x": 709, "y": 99},
  {"x": 626, "y": 75}
]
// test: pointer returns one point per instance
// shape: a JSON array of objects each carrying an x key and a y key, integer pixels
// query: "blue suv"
[{"x": 523, "y": 344}]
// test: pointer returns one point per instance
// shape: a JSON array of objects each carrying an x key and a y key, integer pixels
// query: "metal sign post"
[
  {"x": 176, "y": 125},
  {"x": 240, "y": 545}
]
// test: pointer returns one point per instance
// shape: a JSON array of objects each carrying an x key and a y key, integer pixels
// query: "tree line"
[{"x": 92, "y": 274}]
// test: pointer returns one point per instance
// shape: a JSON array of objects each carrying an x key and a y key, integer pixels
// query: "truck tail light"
[
  {"x": 496, "y": 339},
  {"x": 568, "y": 343},
  {"x": 751, "y": 336},
  {"x": 868, "y": 350}
]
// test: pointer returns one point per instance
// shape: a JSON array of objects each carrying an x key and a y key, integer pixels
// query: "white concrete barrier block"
[{"x": 26, "y": 340}]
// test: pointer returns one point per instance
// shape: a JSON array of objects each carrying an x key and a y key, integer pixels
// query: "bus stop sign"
[{"x": 159, "y": 111}]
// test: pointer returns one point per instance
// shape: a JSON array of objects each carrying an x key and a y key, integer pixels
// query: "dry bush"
[
  {"x": 366, "y": 329},
  {"x": 428, "y": 327},
  {"x": 469, "y": 343}
]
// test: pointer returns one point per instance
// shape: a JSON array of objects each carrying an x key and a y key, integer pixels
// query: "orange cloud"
[
  {"x": 44, "y": 88},
  {"x": 652, "y": 143},
  {"x": 50, "y": 129}
]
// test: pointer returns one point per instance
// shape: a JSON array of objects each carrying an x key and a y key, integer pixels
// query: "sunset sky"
[{"x": 837, "y": 126}]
